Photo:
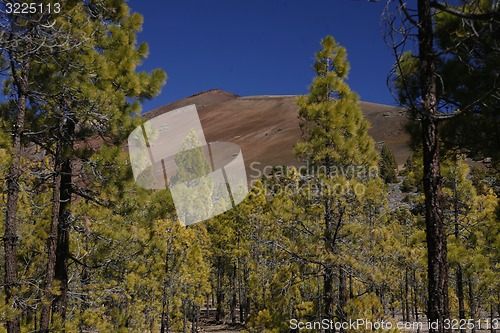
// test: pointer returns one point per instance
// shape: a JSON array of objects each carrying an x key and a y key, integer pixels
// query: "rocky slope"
[{"x": 266, "y": 127}]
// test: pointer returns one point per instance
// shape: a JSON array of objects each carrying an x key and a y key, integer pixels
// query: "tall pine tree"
[{"x": 334, "y": 141}]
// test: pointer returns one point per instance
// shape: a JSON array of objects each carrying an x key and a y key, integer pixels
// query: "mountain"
[{"x": 267, "y": 127}]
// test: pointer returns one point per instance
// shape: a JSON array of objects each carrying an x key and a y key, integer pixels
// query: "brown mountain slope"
[{"x": 266, "y": 127}]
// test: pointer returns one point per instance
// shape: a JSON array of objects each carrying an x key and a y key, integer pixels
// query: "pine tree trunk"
[
  {"x": 194, "y": 319},
  {"x": 247, "y": 296},
  {"x": 351, "y": 290},
  {"x": 233, "y": 296},
  {"x": 319, "y": 314},
  {"x": 458, "y": 269},
  {"x": 328, "y": 293},
  {"x": 472, "y": 303},
  {"x": 10, "y": 237},
  {"x": 62, "y": 253},
  {"x": 51, "y": 244},
  {"x": 415, "y": 300},
  {"x": 165, "y": 318},
  {"x": 342, "y": 296},
  {"x": 437, "y": 306},
  {"x": 330, "y": 249},
  {"x": 207, "y": 313},
  {"x": 492, "y": 318},
  {"x": 60, "y": 303},
  {"x": 219, "y": 314},
  {"x": 406, "y": 314},
  {"x": 84, "y": 281},
  {"x": 184, "y": 316},
  {"x": 165, "y": 314},
  {"x": 241, "y": 303}
]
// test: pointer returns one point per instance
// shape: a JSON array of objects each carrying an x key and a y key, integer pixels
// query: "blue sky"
[{"x": 261, "y": 47}]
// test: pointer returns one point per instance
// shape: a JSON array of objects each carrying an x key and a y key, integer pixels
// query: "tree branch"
[{"x": 450, "y": 10}]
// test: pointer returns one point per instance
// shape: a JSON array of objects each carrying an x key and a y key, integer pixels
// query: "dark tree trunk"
[
  {"x": 342, "y": 296},
  {"x": 437, "y": 264},
  {"x": 493, "y": 327},
  {"x": 460, "y": 294},
  {"x": 331, "y": 233},
  {"x": 241, "y": 291},
  {"x": 247, "y": 297},
  {"x": 472, "y": 303},
  {"x": 62, "y": 253},
  {"x": 60, "y": 303},
  {"x": 84, "y": 304},
  {"x": 234, "y": 299},
  {"x": 351, "y": 290},
  {"x": 184, "y": 315},
  {"x": 329, "y": 236},
  {"x": 194, "y": 318},
  {"x": 51, "y": 244},
  {"x": 10, "y": 237},
  {"x": 219, "y": 313},
  {"x": 207, "y": 309},
  {"x": 406, "y": 313},
  {"x": 328, "y": 292},
  {"x": 165, "y": 314}
]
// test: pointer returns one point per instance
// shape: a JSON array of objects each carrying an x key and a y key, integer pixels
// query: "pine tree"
[
  {"x": 453, "y": 39},
  {"x": 95, "y": 104},
  {"x": 468, "y": 75},
  {"x": 334, "y": 137},
  {"x": 388, "y": 166}
]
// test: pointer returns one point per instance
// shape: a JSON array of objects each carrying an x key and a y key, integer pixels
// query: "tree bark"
[
  {"x": 165, "y": 304},
  {"x": 51, "y": 245},
  {"x": 342, "y": 296},
  {"x": 62, "y": 253},
  {"x": 234, "y": 300},
  {"x": 328, "y": 292},
  {"x": 330, "y": 249},
  {"x": 331, "y": 233},
  {"x": 60, "y": 302},
  {"x": 219, "y": 313},
  {"x": 437, "y": 264},
  {"x": 10, "y": 238},
  {"x": 406, "y": 312},
  {"x": 472, "y": 303}
]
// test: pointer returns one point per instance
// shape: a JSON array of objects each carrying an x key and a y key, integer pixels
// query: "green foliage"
[
  {"x": 134, "y": 268},
  {"x": 333, "y": 128},
  {"x": 328, "y": 219},
  {"x": 468, "y": 74},
  {"x": 467, "y": 90},
  {"x": 387, "y": 165},
  {"x": 83, "y": 89},
  {"x": 472, "y": 226},
  {"x": 413, "y": 173}
]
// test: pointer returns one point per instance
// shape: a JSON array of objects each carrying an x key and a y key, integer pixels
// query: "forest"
[{"x": 319, "y": 249}]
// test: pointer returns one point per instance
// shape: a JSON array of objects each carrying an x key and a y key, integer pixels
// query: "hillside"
[{"x": 267, "y": 127}]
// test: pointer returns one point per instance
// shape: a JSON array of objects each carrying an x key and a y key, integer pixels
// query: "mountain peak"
[
  {"x": 215, "y": 91},
  {"x": 201, "y": 100}
]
